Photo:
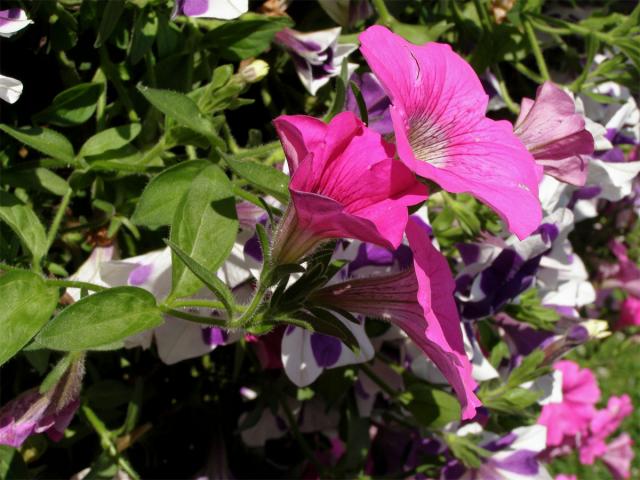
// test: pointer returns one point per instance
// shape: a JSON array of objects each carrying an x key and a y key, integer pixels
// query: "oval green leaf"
[
  {"x": 101, "y": 319},
  {"x": 44, "y": 140},
  {"x": 25, "y": 223}
]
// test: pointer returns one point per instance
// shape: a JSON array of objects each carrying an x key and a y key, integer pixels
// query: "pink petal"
[
  {"x": 441, "y": 336},
  {"x": 348, "y": 186},
  {"x": 555, "y": 134},
  {"x": 299, "y": 134},
  {"x": 441, "y": 131}
]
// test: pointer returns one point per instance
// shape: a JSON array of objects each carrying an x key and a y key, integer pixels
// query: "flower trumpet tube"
[
  {"x": 344, "y": 184},
  {"x": 420, "y": 302}
]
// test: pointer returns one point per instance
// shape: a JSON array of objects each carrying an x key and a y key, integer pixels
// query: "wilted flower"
[
  {"x": 38, "y": 412},
  {"x": 222, "y": 9},
  {"x": 344, "y": 184},
  {"x": 317, "y": 56},
  {"x": 420, "y": 302},
  {"x": 441, "y": 132},
  {"x": 555, "y": 134}
]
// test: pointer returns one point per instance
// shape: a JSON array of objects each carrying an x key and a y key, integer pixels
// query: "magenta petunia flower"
[
  {"x": 573, "y": 415},
  {"x": 442, "y": 133},
  {"x": 420, "y": 302},
  {"x": 555, "y": 134},
  {"x": 344, "y": 184}
]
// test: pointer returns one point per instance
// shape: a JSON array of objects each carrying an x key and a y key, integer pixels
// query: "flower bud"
[{"x": 254, "y": 71}]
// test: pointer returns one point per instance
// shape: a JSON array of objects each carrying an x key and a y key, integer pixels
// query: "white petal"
[
  {"x": 224, "y": 9},
  {"x": 13, "y": 25},
  {"x": 297, "y": 357},
  {"x": 179, "y": 340},
  {"x": 89, "y": 271},
  {"x": 10, "y": 89},
  {"x": 615, "y": 178}
]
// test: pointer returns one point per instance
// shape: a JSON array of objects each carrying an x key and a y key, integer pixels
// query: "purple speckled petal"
[
  {"x": 252, "y": 248},
  {"x": 522, "y": 462},
  {"x": 214, "y": 336},
  {"x": 193, "y": 7},
  {"x": 326, "y": 350},
  {"x": 470, "y": 252},
  {"x": 140, "y": 274}
]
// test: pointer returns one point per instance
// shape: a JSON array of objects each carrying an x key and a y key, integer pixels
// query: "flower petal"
[{"x": 441, "y": 131}]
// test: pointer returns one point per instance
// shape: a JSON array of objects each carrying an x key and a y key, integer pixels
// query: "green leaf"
[
  {"x": 110, "y": 16},
  {"x": 39, "y": 178},
  {"x": 72, "y": 106},
  {"x": 209, "y": 278},
  {"x": 182, "y": 109},
  {"x": 144, "y": 34},
  {"x": 362, "y": 106},
  {"x": 161, "y": 197},
  {"x": 205, "y": 226},
  {"x": 246, "y": 37},
  {"x": 101, "y": 319},
  {"x": 44, "y": 140},
  {"x": 432, "y": 408},
  {"x": 325, "y": 322},
  {"x": 266, "y": 179},
  {"x": 529, "y": 369},
  {"x": 11, "y": 463},
  {"x": 110, "y": 139},
  {"x": 27, "y": 304},
  {"x": 23, "y": 221}
]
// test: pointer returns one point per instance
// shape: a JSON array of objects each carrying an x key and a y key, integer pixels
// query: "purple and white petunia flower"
[
  {"x": 317, "y": 56},
  {"x": 496, "y": 272},
  {"x": 11, "y": 21},
  {"x": 222, "y": 9},
  {"x": 513, "y": 456},
  {"x": 306, "y": 354},
  {"x": 47, "y": 412}
]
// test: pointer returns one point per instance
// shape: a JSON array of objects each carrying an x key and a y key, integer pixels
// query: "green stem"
[
  {"x": 527, "y": 72},
  {"x": 112, "y": 74},
  {"x": 484, "y": 16},
  {"x": 267, "y": 148},
  {"x": 154, "y": 151},
  {"x": 55, "y": 225},
  {"x": 511, "y": 105},
  {"x": 228, "y": 136},
  {"x": 74, "y": 284},
  {"x": 535, "y": 47},
  {"x": 378, "y": 381},
  {"x": 217, "y": 322},
  {"x": 8, "y": 268},
  {"x": 384, "y": 17},
  {"x": 194, "y": 302},
  {"x": 246, "y": 318},
  {"x": 107, "y": 442}
]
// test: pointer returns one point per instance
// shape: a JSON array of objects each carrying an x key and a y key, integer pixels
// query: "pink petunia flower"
[
  {"x": 420, "y": 302},
  {"x": 571, "y": 417},
  {"x": 34, "y": 412},
  {"x": 629, "y": 313},
  {"x": 555, "y": 134},
  {"x": 603, "y": 424},
  {"x": 619, "y": 456},
  {"x": 344, "y": 184},
  {"x": 442, "y": 133}
]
